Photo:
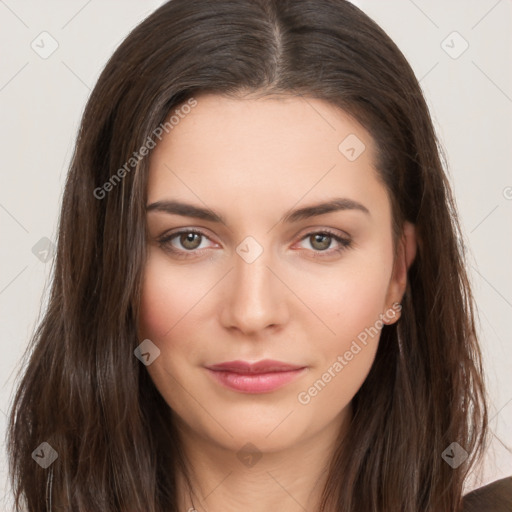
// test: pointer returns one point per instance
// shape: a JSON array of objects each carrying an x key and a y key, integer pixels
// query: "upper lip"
[{"x": 263, "y": 366}]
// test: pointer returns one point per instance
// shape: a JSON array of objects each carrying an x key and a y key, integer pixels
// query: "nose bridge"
[{"x": 255, "y": 294}]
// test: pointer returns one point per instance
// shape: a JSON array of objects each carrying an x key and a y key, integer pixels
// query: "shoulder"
[{"x": 494, "y": 497}]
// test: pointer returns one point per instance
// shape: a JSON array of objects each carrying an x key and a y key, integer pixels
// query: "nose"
[{"x": 256, "y": 297}]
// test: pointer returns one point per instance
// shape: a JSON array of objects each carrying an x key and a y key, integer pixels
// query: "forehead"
[
  {"x": 269, "y": 149},
  {"x": 268, "y": 121}
]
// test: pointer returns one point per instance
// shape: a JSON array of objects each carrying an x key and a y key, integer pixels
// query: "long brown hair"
[{"x": 85, "y": 394}]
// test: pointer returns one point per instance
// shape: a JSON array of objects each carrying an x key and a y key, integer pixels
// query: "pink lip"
[{"x": 260, "y": 377}]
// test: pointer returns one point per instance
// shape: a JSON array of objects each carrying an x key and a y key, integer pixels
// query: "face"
[{"x": 253, "y": 280}]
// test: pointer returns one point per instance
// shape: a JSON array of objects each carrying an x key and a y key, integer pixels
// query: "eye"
[
  {"x": 189, "y": 239},
  {"x": 322, "y": 240}
]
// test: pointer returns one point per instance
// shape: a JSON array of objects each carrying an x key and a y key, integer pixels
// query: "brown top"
[{"x": 494, "y": 497}]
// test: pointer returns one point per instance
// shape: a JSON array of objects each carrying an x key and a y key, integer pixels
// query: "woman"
[{"x": 259, "y": 299}]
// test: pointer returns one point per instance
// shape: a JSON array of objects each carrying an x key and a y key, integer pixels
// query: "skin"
[{"x": 251, "y": 160}]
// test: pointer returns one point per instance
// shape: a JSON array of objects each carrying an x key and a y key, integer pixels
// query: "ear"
[{"x": 406, "y": 252}]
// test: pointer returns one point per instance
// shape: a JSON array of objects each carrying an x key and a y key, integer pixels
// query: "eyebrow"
[{"x": 189, "y": 210}]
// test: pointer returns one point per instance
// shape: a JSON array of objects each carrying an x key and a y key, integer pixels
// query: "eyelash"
[{"x": 164, "y": 243}]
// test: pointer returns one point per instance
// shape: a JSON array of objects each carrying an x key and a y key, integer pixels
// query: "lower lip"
[{"x": 255, "y": 383}]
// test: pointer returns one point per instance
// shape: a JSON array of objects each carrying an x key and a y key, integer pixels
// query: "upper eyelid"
[{"x": 181, "y": 231}]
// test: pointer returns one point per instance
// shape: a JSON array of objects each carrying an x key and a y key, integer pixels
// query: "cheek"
[
  {"x": 362, "y": 302},
  {"x": 351, "y": 305},
  {"x": 345, "y": 357},
  {"x": 164, "y": 303},
  {"x": 155, "y": 311},
  {"x": 167, "y": 297},
  {"x": 351, "y": 298}
]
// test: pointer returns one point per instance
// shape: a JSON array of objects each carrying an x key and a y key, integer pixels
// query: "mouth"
[{"x": 260, "y": 377}]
